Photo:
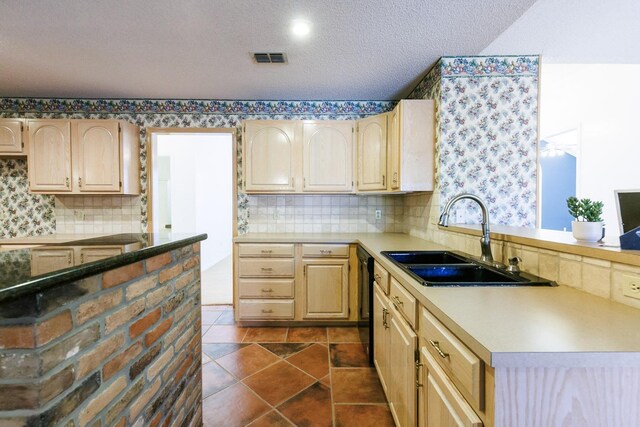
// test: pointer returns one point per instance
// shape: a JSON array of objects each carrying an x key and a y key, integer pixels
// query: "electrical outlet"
[
  {"x": 79, "y": 215},
  {"x": 631, "y": 286},
  {"x": 378, "y": 214}
]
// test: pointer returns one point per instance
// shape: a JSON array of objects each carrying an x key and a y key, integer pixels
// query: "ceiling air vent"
[{"x": 270, "y": 58}]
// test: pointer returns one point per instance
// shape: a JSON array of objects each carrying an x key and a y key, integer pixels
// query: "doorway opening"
[{"x": 192, "y": 189}]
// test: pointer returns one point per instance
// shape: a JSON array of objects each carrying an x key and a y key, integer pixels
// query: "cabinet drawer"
[
  {"x": 284, "y": 250},
  {"x": 403, "y": 301},
  {"x": 261, "y": 309},
  {"x": 381, "y": 276},
  {"x": 322, "y": 250},
  {"x": 260, "y": 267},
  {"x": 266, "y": 288},
  {"x": 453, "y": 356}
]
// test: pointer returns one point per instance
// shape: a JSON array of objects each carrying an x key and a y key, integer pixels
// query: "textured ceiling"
[{"x": 200, "y": 49}]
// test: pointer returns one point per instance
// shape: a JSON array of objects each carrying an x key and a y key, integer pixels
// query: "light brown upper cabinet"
[
  {"x": 289, "y": 156},
  {"x": 270, "y": 154},
  {"x": 396, "y": 149},
  {"x": 49, "y": 156},
  {"x": 411, "y": 140},
  {"x": 372, "y": 153},
  {"x": 83, "y": 157},
  {"x": 11, "y": 137},
  {"x": 327, "y": 150}
]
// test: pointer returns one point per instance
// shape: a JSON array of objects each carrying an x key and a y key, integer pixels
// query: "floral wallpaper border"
[
  {"x": 489, "y": 66},
  {"x": 171, "y": 106}
]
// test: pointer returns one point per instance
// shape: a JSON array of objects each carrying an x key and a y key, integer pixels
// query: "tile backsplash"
[
  {"x": 325, "y": 214},
  {"x": 97, "y": 214}
]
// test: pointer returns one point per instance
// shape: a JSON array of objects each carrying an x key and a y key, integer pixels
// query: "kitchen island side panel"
[{"x": 118, "y": 348}]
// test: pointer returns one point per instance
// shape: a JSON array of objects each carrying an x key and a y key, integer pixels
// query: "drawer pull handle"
[
  {"x": 325, "y": 251},
  {"x": 266, "y": 251},
  {"x": 265, "y": 311},
  {"x": 397, "y": 301},
  {"x": 267, "y": 290},
  {"x": 385, "y": 312},
  {"x": 266, "y": 269},
  {"x": 418, "y": 366},
  {"x": 436, "y": 345}
]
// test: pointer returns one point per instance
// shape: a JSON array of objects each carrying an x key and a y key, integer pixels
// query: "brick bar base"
[{"x": 116, "y": 349}]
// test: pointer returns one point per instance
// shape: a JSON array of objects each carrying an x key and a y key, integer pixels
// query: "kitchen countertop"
[
  {"x": 17, "y": 279},
  {"x": 508, "y": 326}
]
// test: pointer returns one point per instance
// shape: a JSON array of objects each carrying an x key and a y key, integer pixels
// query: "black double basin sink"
[{"x": 446, "y": 268}]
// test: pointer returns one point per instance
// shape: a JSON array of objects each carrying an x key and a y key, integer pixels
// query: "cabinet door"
[
  {"x": 48, "y": 260},
  {"x": 394, "y": 149},
  {"x": 402, "y": 368},
  {"x": 11, "y": 136},
  {"x": 372, "y": 153},
  {"x": 441, "y": 405},
  {"x": 327, "y": 149},
  {"x": 269, "y": 156},
  {"x": 98, "y": 150},
  {"x": 49, "y": 156},
  {"x": 96, "y": 253},
  {"x": 326, "y": 289},
  {"x": 381, "y": 337}
]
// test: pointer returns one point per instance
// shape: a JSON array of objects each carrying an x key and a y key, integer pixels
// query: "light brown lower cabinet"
[
  {"x": 441, "y": 405},
  {"x": 299, "y": 282},
  {"x": 381, "y": 336},
  {"x": 46, "y": 260},
  {"x": 394, "y": 354},
  {"x": 402, "y": 370},
  {"x": 326, "y": 288}
]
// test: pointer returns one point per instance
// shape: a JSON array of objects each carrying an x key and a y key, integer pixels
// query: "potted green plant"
[{"x": 588, "y": 226}]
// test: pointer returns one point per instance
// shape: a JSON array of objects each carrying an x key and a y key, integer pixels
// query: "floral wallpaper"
[
  {"x": 486, "y": 143},
  {"x": 148, "y": 113},
  {"x": 16, "y": 201}
]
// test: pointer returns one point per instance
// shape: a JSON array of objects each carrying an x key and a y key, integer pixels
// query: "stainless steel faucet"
[{"x": 485, "y": 242}]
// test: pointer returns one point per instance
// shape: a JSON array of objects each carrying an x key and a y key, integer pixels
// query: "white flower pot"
[{"x": 587, "y": 231}]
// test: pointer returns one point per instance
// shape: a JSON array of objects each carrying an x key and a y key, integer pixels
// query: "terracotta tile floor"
[{"x": 302, "y": 376}]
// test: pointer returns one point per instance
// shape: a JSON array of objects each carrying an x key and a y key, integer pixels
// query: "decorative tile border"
[
  {"x": 484, "y": 66},
  {"x": 171, "y": 106}
]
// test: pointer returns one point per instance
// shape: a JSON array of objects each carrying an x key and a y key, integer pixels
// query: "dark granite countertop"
[{"x": 20, "y": 275}]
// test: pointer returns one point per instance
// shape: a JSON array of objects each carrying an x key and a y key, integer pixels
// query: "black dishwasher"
[{"x": 365, "y": 296}]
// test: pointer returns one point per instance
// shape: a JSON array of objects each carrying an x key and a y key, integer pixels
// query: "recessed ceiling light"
[{"x": 300, "y": 27}]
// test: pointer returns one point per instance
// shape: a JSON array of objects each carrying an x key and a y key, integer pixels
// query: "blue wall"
[{"x": 558, "y": 183}]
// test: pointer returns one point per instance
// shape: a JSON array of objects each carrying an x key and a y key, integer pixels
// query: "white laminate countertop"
[{"x": 508, "y": 326}]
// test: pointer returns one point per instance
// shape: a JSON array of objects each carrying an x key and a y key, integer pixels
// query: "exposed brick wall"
[{"x": 119, "y": 348}]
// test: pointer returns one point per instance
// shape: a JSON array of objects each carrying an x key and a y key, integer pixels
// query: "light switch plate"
[{"x": 631, "y": 286}]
